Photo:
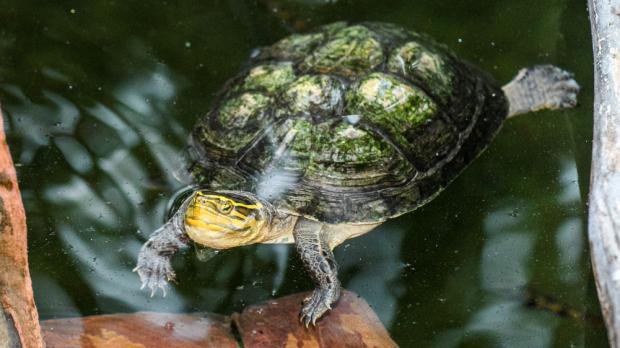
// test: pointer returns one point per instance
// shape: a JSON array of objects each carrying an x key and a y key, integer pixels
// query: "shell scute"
[
  {"x": 408, "y": 116},
  {"x": 349, "y": 52},
  {"x": 352, "y": 123},
  {"x": 314, "y": 94},
  {"x": 423, "y": 67},
  {"x": 271, "y": 77},
  {"x": 296, "y": 46}
]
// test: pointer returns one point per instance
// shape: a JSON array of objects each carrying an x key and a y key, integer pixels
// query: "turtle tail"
[{"x": 542, "y": 87}]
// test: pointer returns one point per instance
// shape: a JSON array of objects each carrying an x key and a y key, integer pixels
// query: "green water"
[{"x": 99, "y": 97}]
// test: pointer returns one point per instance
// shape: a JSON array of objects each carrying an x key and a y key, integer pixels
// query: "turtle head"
[{"x": 226, "y": 219}]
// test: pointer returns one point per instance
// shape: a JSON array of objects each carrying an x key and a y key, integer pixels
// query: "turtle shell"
[{"x": 349, "y": 123}]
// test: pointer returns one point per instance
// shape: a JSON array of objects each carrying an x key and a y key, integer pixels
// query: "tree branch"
[
  {"x": 19, "y": 320},
  {"x": 604, "y": 215}
]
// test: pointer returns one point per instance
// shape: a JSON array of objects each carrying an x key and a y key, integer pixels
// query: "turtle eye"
[{"x": 226, "y": 207}]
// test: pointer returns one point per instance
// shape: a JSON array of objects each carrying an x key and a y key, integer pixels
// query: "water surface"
[{"x": 99, "y": 97}]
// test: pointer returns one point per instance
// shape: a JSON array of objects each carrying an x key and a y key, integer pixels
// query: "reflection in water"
[
  {"x": 103, "y": 271},
  {"x": 504, "y": 262},
  {"x": 36, "y": 122},
  {"x": 76, "y": 154},
  {"x": 280, "y": 255},
  {"x": 506, "y": 269},
  {"x": 104, "y": 146},
  {"x": 570, "y": 243},
  {"x": 95, "y": 126},
  {"x": 506, "y": 272},
  {"x": 511, "y": 322},
  {"x": 77, "y": 193},
  {"x": 380, "y": 280}
]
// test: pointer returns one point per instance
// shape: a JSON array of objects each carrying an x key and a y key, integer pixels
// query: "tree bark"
[
  {"x": 604, "y": 214},
  {"x": 274, "y": 323},
  {"x": 19, "y": 320}
]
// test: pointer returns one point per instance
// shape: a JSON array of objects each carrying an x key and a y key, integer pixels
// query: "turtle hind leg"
[{"x": 542, "y": 87}]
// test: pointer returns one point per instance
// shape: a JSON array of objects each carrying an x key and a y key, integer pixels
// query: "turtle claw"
[
  {"x": 541, "y": 87},
  {"x": 154, "y": 290},
  {"x": 155, "y": 271},
  {"x": 316, "y": 305}
]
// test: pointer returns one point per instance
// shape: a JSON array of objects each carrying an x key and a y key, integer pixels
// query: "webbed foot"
[
  {"x": 155, "y": 270},
  {"x": 317, "y": 304},
  {"x": 153, "y": 265},
  {"x": 542, "y": 87},
  {"x": 318, "y": 258}
]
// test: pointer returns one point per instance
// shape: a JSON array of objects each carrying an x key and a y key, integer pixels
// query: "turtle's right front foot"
[
  {"x": 154, "y": 269},
  {"x": 154, "y": 266},
  {"x": 319, "y": 303},
  {"x": 318, "y": 258}
]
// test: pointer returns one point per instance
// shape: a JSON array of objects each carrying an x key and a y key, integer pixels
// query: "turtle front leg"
[
  {"x": 318, "y": 258},
  {"x": 154, "y": 266}
]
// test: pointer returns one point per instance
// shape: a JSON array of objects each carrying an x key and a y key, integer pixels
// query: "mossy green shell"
[{"x": 349, "y": 123}]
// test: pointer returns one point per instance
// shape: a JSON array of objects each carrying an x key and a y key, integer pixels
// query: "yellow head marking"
[{"x": 224, "y": 220}]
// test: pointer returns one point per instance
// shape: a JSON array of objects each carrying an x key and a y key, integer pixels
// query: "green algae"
[
  {"x": 423, "y": 66},
  {"x": 350, "y": 52},
  {"x": 296, "y": 46},
  {"x": 237, "y": 111},
  {"x": 270, "y": 77},
  {"x": 314, "y": 93}
]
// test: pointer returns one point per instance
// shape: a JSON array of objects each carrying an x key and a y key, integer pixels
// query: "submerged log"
[
  {"x": 275, "y": 323},
  {"x": 139, "y": 330},
  {"x": 19, "y": 320},
  {"x": 604, "y": 214},
  {"x": 352, "y": 323}
]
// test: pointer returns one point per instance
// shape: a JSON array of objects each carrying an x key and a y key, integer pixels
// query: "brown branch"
[
  {"x": 19, "y": 321},
  {"x": 275, "y": 323},
  {"x": 604, "y": 215}
]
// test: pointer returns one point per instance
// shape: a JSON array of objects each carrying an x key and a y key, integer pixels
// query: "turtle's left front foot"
[{"x": 319, "y": 303}]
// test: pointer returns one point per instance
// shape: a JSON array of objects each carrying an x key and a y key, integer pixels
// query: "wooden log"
[
  {"x": 19, "y": 320},
  {"x": 604, "y": 204},
  {"x": 275, "y": 323},
  {"x": 351, "y": 323},
  {"x": 139, "y": 330}
]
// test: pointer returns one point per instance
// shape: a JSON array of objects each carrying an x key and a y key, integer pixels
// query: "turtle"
[{"x": 325, "y": 135}]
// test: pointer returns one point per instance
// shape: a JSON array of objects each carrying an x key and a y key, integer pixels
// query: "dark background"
[{"x": 98, "y": 99}]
